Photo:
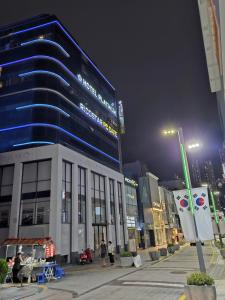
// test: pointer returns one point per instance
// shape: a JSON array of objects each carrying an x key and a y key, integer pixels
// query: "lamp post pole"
[{"x": 191, "y": 200}]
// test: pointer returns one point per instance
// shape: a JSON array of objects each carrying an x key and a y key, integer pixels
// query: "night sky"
[{"x": 152, "y": 52}]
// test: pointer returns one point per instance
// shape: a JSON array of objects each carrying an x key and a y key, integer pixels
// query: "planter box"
[
  {"x": 126, "y": 261},
  {"x": 163, "y": 251},
  {"x": 194, "y": 292},
  {"x": 171, "y": 249},
  {"x": 176, "y": 247},
  {"x": 154, "y": 255},
  {"x": 222, "y": 252}
]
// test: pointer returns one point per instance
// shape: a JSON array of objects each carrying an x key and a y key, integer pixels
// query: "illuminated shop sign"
[
  {"x": 98, "y": 96},
  {"x": 98, "y": 120},
  {"x": 131, "y": 182},
  {"x": 131, "y": 222}
]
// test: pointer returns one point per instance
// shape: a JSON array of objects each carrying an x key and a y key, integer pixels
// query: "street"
[{"x": 161, "y": 279}]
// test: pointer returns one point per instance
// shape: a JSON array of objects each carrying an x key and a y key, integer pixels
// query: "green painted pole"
[{"x": 191, "y": 200}]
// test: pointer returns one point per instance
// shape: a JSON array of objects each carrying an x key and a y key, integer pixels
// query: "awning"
[{"x": 27, "y": 241}]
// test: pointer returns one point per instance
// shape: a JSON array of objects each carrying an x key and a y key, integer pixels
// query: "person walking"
[
  {"x": 111, "y": 253},
  {"x": 103, "y": 252}
]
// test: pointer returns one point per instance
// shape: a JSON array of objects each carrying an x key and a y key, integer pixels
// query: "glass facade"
[
  {"x": 51, "y": 92},
  {"x": 35, "y": 193},
  {"x": 6, "y": 185},
  {"x": 66, "y": 191},
  {"x": 82, "y": 195}
]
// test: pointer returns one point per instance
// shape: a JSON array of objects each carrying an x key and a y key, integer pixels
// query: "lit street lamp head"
[
  {"x": 192, "y": 146},
  {"x": 169, "y": 132}
]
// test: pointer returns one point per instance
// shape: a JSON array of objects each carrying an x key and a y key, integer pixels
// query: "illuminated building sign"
[
  {"x": 131, "y": 222},
  {"x": 98, "y": 96},
  {"x": 131, "y": 182},
  {"x": 98, "y": 120}
]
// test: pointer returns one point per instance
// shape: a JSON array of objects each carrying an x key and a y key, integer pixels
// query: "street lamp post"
[{"x": 187, "y": 178}]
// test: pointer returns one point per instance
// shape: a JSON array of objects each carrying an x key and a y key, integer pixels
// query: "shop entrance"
[{"x": 100, "y": 233}]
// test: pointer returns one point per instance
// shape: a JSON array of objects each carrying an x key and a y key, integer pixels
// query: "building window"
[
  {"x": 112, "y": 200},
  {"x": 66, "y": 191},
  {"x": 35, "y": 195},
  {"x": 98, "y": 199},
  {"x": 120, "y": 200},
  {"x": 81, "y": 195},
  {"x": 6, "y": 185}
]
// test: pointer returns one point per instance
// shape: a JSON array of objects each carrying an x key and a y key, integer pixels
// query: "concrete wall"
[{"x": 67, "y": 237}]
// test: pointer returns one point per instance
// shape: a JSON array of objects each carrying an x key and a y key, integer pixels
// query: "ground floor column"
[
  {"x": 108, "y": 212},
  {"x": 89, "y": 227},
  {"x": 55, "y": 222},
  {"x": 117, "y": 221},
  {"x": 15, "y": 205},
  {"x": 74, "y": 217}
]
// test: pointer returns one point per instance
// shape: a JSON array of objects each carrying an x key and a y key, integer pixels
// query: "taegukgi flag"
[
  {"x": 186, "y": 218},
  {"x": 202, "y": 214},
  {"x": 201, "y": 210}
]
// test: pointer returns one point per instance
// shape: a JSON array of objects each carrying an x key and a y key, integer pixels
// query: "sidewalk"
[
  {"x": 79, "y": 279},
  {"x": 217, "y": 271}
]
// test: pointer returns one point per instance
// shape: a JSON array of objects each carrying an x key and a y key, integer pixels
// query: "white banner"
[
  {"x": 202, "y": 214},
  {"x": 186, "y": 218}
]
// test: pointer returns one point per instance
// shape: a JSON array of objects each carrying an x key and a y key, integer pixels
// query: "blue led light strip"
[
  {"x": 27, "y": 74},
  {"x": 63, "y": 97},
  {"x": 57, "y": 45},
  {"x": 64, "y": 131},
  {"x": 57, "y": 62},
  {"x": 43, "y": 105},
  {"x": 33, "y": 143},
  {"x": 71, "y": 39}
]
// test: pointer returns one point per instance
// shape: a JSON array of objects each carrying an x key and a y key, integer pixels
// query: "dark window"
[
  {"x": 6, "y": 184},
  {"x": 35, "y": 195},
  {"x": 66, "y": 191},
  {"x": 82, "y": 195},
  {"x": 120, "y": 200},
  {"x": 112, "y": 200},
  {"x": 98, "y": 199}
]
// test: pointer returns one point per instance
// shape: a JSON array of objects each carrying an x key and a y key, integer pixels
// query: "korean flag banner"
[
  {"x": 202, "y": 214},
  {"x": 186, "y": 218}
]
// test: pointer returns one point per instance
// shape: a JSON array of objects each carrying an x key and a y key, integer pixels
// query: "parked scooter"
[{"x": 86, "y": 256}]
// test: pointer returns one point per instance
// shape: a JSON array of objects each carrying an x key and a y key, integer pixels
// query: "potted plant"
[
  {"x": 170, "y": 248},
  {"x": 3, "y": 270},
  {"x": 176, "y": 247},
  {"x": 163, "y": 251},
  {"x": 222, "y": 252},
  {"x": 126, "y": 259},
  {"x": 154, "y": 255},
  {"x": 200, "y": 286}
]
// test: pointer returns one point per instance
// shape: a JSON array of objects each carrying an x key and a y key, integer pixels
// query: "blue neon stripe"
[
  {"x": 71, "y": 39},
  {"x": 57, "y": 62},
  {"x": 44, "y": 72},
  {"x": 43, "y": 105},
  {"x": 75, "y": 137},
  {"x": 33, "y": 143},
  {"x": 47, "y": 42}
]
